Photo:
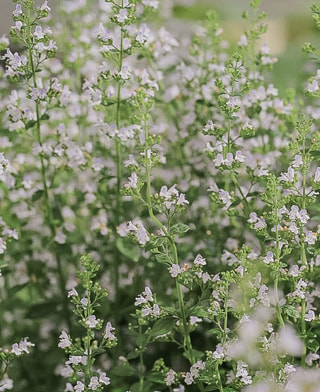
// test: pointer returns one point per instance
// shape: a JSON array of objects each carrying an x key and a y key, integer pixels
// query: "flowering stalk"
[{"x": 147, "y": 155}]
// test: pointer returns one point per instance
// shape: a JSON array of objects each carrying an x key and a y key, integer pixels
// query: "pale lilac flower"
[
  {"x": 175, "y": 270},
  {"x": 92, "y": 321},
  {"x": 317, "y": 175},
  {"x": 64, "y": 340},
  {"x": 297, "y": 161},
  {"x": 38, "y": 33},
  {"x": 151, "y": 3},
  {"x": 194, "y": 320},
  {"x": 15, "y": 349},
  {"x": 260, "y": 224},
  {"x": 45, "y": 7},
  {"x": 253, "y": 217},
  {"x": 18, "y": 11},
  {"x": 311, "y": 357},
  {"x": 72, "y": 292},
  {"x": 313, "y": 87},
  {"x": 170, "y": 377},
  {"x": 94, "y": 383},
  {"x": 6, "y": 383},
  {"x": 79, "y": 387},
  {"x": 310, "y": 237},
  {"x": 103, "y": 379},
  {"x": 289, "y": 176},
  {"x": 84, "y": 301},
  {"x": 125, "y": 73},
  {"x": 188, "y": 379},
  {"x": 60, "y": 237},
  {"x": 269, "y": 258},
  {"x": 219, "y": 352},
  {"x": 288, "y": 342},
  {"x": 122, "y": 16},
  {"x": 3, "y": 246},
  {"x": 76, "y": 360},
  {"x": 108, "y": 332},
  {"x": 310, "y": 316},
  {"x": 225, "y": 197},
  {"x": 145, "y": 297},
  {"x": 142, "y": 235},
  {"x": 130, "y": 161},
  {"x": 243, "y": 40},
  {"x": 242, "y": 373},
  {"x": 199, "y": 260}
]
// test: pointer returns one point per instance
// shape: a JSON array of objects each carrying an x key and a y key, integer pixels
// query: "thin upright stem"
[{"x": 187, "y": 344}]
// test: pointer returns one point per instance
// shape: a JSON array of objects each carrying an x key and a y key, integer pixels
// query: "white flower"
[
  {"x": 94, "y": 383},
  {"x": 289, "y": 176},
  {"x": 175, "y": 270},
  {"x": 103, "y": 379},
  {"x": 108, "y": 332},
  {"x": 269, "y": 258},
  {"x": 64, "y": 340},
  {"x": 133, "y": 181},
  {"x": 170, "y": 378},
  {"x": 288, "y": 342},
  {"x": 60, "y": 237},
  {"x": 76, "y": 360},
  {"x": 5, "y": 383},
  {"x": 17, "y": 11},
  {"x": 122, "y": 16},
  {"x": 317, "y": 175},
  {"x": 72, "y": 292},
  {"x": 297, "y": 161},
  {"x": 151, "y": 3},
  {"x": 199, "y": 260},
  {"x": 310, "y": 316},
  {"x": 194, "y": 320},
  {"x": 310, "y": 237},
  {"x": 79, "y": 387},
  {"x": 92, "y": 321}
]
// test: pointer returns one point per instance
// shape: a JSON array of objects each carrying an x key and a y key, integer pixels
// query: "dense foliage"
[{"x": 159, "y": 205}]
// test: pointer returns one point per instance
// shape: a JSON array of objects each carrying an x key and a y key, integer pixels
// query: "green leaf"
[
  {"x": 162, "y": 327},
  {"x": 196, "y": 355},
  {"x": 136, "y": 387},
  {"x": 30, "y": 124},
  {"x": 313, "y": 345},
  {"x": 45, "y": 116},
  {"x": 98, "y": 351},
  {"x": 17, "y": 288},
  {"x": 291, "y": 311},
  {"x": 133, "y": 354},
  {"x": 123, "y": 370},
  {"x": 179, "y": 228},
  {"x": 199, "y": 311},
  {"x": 163, "y": 259},
  {"x": 37, "y": 195},
  {"x": 159, "y": 241},
  {"x": 156, "y": 377},
  {"x": 3, "y": 264},
  {"x": 127, "y": 248}
]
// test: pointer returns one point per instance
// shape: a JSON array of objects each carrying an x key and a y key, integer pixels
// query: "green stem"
[
  {"x": 277, "y": 256},
  {"x": 48, "y": 206},
  {"x": 187, "y": 339},
  {"x": 141, "y": 365},
  {"x": 225, "y": 320},
  {"x": 303, "y": 253},
  {"x": 118, "y": 212},
  {"x": 220, "y": 386}
]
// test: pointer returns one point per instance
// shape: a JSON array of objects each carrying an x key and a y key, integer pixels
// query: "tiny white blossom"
[{"x": 108, "y": 332}]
